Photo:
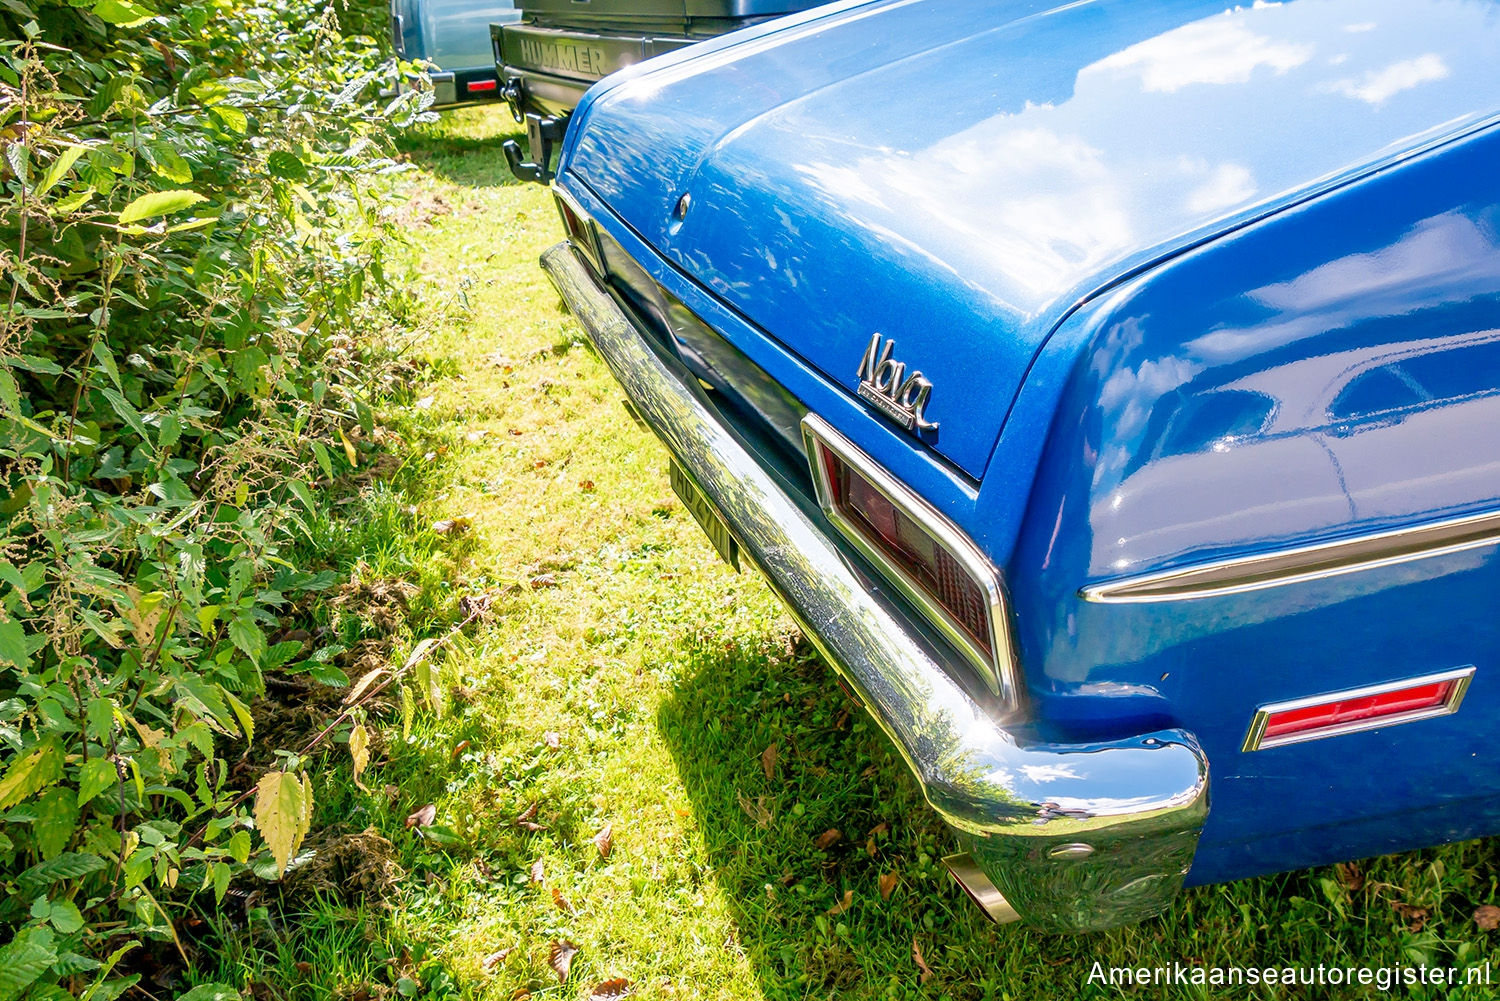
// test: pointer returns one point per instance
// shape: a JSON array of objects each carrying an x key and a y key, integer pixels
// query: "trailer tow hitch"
[{"x": 543, "y": 134}]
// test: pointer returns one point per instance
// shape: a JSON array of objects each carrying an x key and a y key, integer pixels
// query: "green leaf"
[
  {"x": 23, "y": 960},
  {"x": 159, "y": 203},
  {"x": 245, "y": 634},
  {"x": 241, "y": 713},
  {"x": 239, "y": 846},
  {"x": 56, "y": 820},
  {"x": 283, "y": 163},
  {"x": 65, "y": 916},
  {"x": 74, "y": 202},
  {"x": 68, "y": 865},
  {"x": 232, "y": 119},
  {"x": 13, "y": 649},
  {"x": 210, "y": 992},
  {"x": 106, "y": 360},
  {"x": 31, "y": 773},
  {"x": 169, "y": 431},
  {"x": 97, "y": 775},
  {"x": 59, "y": 168},
  {"x": 300, "y": 491},
  {"x": 123, "y": 13},
  {"x": 127, "y": 413},
  {"x": 169, "y": 164}
]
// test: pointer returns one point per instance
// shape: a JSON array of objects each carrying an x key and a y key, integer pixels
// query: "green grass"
[{"x": 626, "y": 679}]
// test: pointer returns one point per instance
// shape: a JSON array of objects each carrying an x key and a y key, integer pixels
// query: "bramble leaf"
[
  {"x": 359, "y": 751},
  {"x": 283, "y": 811},
  {"x": 56, "y": 820},
  {"x": 30, "y": 773},
  {"x": 97, "y": 775}
]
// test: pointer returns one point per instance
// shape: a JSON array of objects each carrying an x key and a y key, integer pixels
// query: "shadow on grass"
[
  {"x": 465, "y": 146},
  {"x": 813, "y": 922}
]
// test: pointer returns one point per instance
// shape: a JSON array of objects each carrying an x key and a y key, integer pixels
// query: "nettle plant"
[{"x": 192, "y": 254}]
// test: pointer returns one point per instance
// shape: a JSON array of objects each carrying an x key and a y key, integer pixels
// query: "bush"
[{"x": 190, "y": 252}]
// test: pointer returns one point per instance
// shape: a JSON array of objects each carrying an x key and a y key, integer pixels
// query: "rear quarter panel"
[{"x": 1330, "y": 371}]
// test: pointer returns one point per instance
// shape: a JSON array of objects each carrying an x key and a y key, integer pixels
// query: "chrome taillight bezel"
[
  {"x": 998, "y": 670},
  {"x": 582, "y": 236}
]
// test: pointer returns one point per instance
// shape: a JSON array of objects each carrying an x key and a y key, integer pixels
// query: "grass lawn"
[{"x": 638, "y": 759}]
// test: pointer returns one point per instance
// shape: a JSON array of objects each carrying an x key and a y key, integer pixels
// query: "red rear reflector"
[
  {"x": 482, "y": 85},
  {"x": 1359, "y": 709}
]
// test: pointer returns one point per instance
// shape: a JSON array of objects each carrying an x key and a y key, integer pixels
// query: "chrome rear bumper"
[{"x": 1075, "y": 836}]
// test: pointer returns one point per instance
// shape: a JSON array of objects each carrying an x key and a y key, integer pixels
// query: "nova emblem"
[{"x": 883, "y": 382}]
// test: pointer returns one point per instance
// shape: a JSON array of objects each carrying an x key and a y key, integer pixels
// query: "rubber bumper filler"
[{"x": 1068, "y": 837}]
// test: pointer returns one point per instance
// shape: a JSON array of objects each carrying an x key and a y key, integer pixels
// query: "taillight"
[
  {"x": 1358, "y": 709},
  {"x": 922, "y": 553},
  {"x": 478, "y": 85},
  {"x": 579, "y": 228}
]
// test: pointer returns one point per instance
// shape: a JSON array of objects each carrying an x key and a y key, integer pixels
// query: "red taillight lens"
[
  {"x": 914, "y": 550},
  {"x": 1331, "y": 714},
  {"x": 1358, "y": 709},
  {"x": 477, "y": 85}
]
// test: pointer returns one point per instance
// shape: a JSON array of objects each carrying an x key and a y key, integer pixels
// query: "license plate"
[{"x": 703, "y": 512}]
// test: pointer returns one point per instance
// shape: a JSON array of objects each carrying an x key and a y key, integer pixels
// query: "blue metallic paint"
[
  {"x": 1317, "y": 357},
  {"x": 834, "y": 195},
  {"x": 1332, "y": 371}
]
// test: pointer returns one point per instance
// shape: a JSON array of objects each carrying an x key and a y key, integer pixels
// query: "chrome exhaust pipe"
[{"x": 979, "y": 888}]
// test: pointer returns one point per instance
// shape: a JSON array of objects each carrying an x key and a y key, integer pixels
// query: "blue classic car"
[
  {"x": 1111, "y": 392},
  {"x": 454, "y": 37}
]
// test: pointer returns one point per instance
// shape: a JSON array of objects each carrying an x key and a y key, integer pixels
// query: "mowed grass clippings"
[{"x": 641, "y": 778}]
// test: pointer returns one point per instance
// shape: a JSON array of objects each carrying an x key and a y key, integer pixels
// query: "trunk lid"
[{"x": 955, "y": 175}]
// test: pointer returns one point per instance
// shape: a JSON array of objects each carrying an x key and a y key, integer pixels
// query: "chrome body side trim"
[
  {"x": 1256, "y": 740},
  {"x": 1304, "y": 563},
  {"x": 997, "y": 670},
  {"x": 1140, "y": 802}
]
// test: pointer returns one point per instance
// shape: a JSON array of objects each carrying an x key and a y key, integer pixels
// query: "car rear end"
[
  {"x": 453, "y": 37},
  {"x": 888, "y": 347},
  {"x": 561, "y": 47}
]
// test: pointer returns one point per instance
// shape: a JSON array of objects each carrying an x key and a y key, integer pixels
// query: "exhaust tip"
[{"x": 979, "y": 888}]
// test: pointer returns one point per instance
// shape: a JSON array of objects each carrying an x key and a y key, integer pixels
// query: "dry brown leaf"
[
  {"x": 453, "y": 526},
  {"x": 459, "y": 748},
  {"x": 887, "y": 884},
  {"x": 1351, "y": 876},
  {"x": 529, "y": 814},
  {"x": 843, "y": 905},
  {"x": 1415, "y": 917},
  {"x": 755, "y": 808},
  {"x": 608, "y": 990},
  {"x": 1487, "y": 917},
  {"x": 422, "y": 817},
  {"x": 363, "y": 683},
  {"x": 916, "y": 955},
  {"x": 870, "y": 848},
  {"x": 561, "y": 902},
  {"x": 768, "y": 761},
  {"x": 495, "y": 958},
  {"x": 828, "y": 839},
  {"x": 531, "y": 825},
  {"x": 880, "y": 830},
  {"x": 552, "y": 739},
  {"x": 561, "y": 959},
  {"x": 587, "y": 486},
  {"x": 605, "y": 840},
  {"x": 538, "y": 875},
  {"x": 519, "y": 994},
  {"x": 542, "y": 580}
]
